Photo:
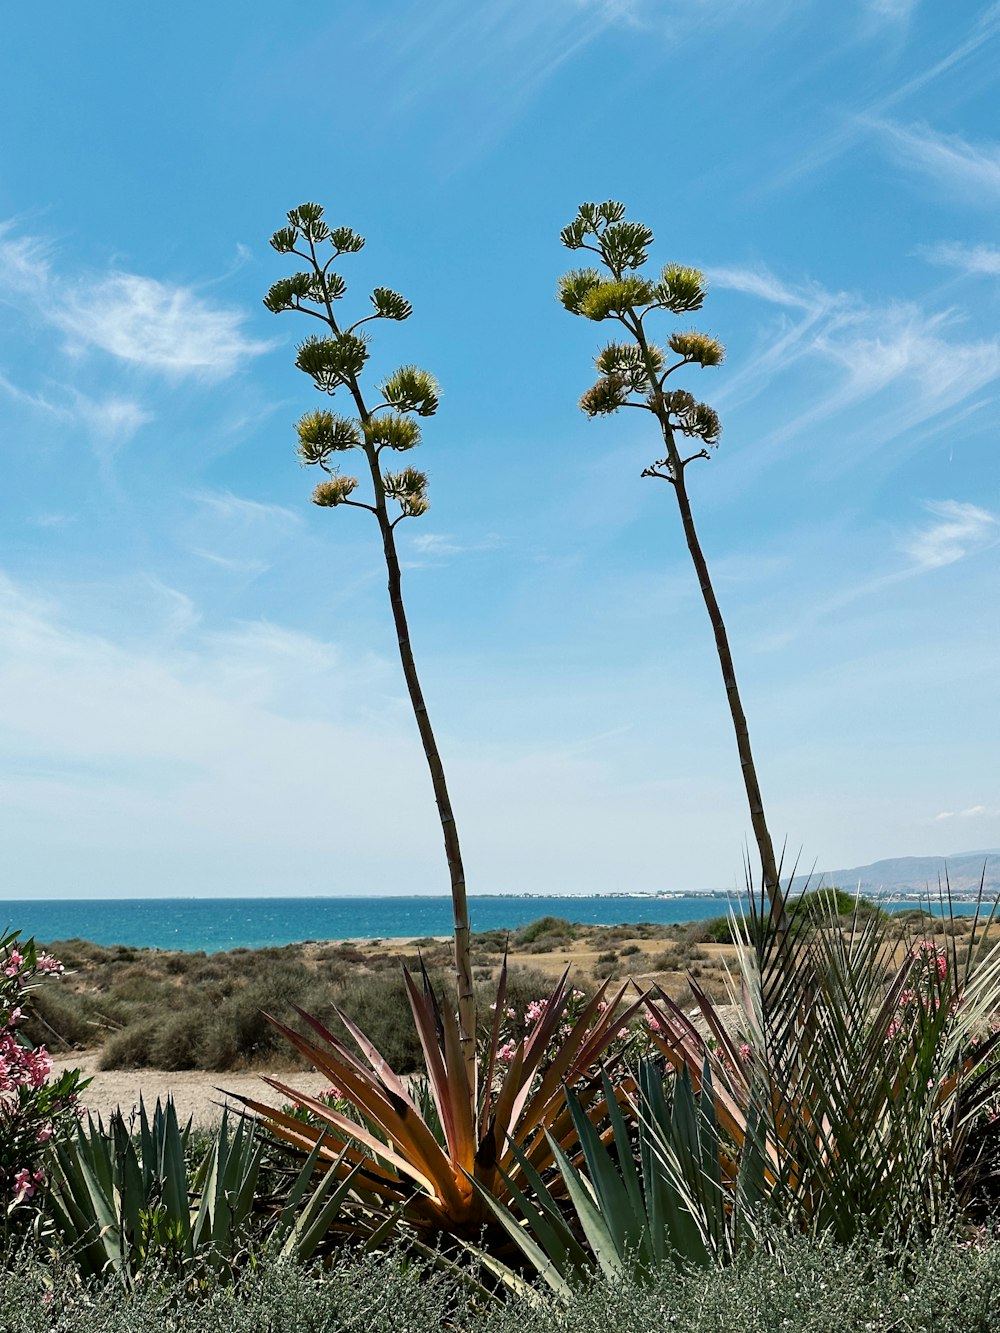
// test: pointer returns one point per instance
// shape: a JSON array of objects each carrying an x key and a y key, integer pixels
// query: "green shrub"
[
  {"x": 545, "y": 934},
  {"x": 806, "y": 1287}
]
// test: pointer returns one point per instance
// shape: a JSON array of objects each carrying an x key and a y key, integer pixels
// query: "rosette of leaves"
[
  {"x": 436, "y": 1164},
  {"x": 372, "y": 424},
  {"x": 124, "y": 1200},
  {"x": 860, "y": 1078}
]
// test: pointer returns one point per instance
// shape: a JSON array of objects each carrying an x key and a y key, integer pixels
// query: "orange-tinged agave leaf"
[
  {"x": 358, "y": 1132},
  {"x": 399, "y": 1121},
  {"x": 380, "y": 1066},
  {"x": 579, "y": 1053},
  {"x": 719, "y": 1030},
  {"x": 437, "y": 1074},
  {"x": 336, "y": 1044},
  {"x": 463, "y": 1150}
]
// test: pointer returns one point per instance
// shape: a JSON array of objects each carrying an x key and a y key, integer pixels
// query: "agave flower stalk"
[
  {"x": 635, "y": 374},
  {"x": 376, "y": 428}
]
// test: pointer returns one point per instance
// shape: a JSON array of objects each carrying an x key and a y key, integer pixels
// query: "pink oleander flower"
[
  {"x": 507, "y": 1051},
  {"x": 26, "y": 1182},
  {"x": 46, "y": 963},
  {"x": 534, "y": 1011},
  {"x": 15, "y": 962},
  {"x": 652, "y": 1022},
  {"x": 44, "y": 1134},
  {"x": 14, "y": 1017},
  {"x": 744, "y": 1050},
  {"x": 623, "y": 1034}
]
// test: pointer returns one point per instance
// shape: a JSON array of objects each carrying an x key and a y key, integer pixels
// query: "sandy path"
[{"x": 195, "y": 1092}]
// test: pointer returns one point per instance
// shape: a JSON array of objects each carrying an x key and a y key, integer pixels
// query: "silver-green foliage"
[{"x": 121, "y": 1201}]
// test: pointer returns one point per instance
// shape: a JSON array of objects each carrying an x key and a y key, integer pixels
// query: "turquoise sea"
[{"x": 214, "y": 924}]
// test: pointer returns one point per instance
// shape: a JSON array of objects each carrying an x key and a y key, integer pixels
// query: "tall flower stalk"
[
  {"x": 635, "y": 374},
  {"x": 377, "y": 427}
]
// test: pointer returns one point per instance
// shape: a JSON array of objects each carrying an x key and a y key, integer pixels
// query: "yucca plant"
[
  {"x": 852, "y": 1088},
  {"x": 121, "y": 1200},
  {"x": 428, "y": 1166},
  {"x": 865, "y": 1064}
]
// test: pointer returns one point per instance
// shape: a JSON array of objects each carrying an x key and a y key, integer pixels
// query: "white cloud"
[
  {"x": 110, "y": 422},
  {"x": 959, "y": 530},
  {"x": 164, "y": 327},
  {"x": 893, "y": 11},
  {"x": 972, "y": 260},
  {"x": 906, "y": 365},
  {"x": 973, "y": 812},
  {"x": 440, "y": 545},
  {"x": 761, "y": 282},
  {"x": 949, "y": 160},
  {"x": 238, "y": 509}
]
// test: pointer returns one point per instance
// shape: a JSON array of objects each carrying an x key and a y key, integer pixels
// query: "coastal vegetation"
[
  {"x": 164, "y": 1009},
  {"x": 788, "y": 1118}
]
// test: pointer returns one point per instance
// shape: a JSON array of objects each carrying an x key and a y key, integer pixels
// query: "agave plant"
[
  {"x": 865, "y": 1064},
  {"x": 121, "y": 1200},
  {"x": 853, "y": 1086},
  {"x": 435, "y": 1165},
  {"x": 659, "y": 1191}
]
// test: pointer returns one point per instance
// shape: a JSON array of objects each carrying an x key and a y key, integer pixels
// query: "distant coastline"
[{"x": 214, "y": 925}]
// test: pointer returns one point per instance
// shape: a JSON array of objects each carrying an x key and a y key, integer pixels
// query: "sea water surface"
[{"x": 214, "y": 924}]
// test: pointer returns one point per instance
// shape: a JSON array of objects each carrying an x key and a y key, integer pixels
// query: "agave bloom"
[{"x": 427, "y": 1159}]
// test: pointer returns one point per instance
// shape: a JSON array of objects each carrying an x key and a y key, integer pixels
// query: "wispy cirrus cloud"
[
  {"x": 958, "y": 530},
  {"x": 111, "y": 422},
  {"x": 168, "y": 328},
  {"x": 892, "y": 11},
  {"x": 947, "y": 159},
  {"x": 237, "y": 508},
  {"x": 972, "y": 260},
  {"x": 906, "y": 364}
]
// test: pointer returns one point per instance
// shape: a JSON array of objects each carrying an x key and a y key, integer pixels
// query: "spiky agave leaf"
[
  {"x": 863, "y": 1118},
  {"x": 400, "y": 1161}
]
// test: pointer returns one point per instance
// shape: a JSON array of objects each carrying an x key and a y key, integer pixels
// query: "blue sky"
[{"x": 198, "y": 687}]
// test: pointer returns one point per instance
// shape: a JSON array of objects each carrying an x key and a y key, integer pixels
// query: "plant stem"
[
  {"x": 449, "y": 829},
  {"x": 676, "y": 466},
  {"x": 765, "y": 847}
]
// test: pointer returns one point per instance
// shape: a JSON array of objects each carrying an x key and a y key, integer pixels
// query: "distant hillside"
[{"x": 916, "y": 874}]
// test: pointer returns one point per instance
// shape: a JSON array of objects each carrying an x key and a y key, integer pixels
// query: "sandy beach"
[{"x": 196, "y": 1093}]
